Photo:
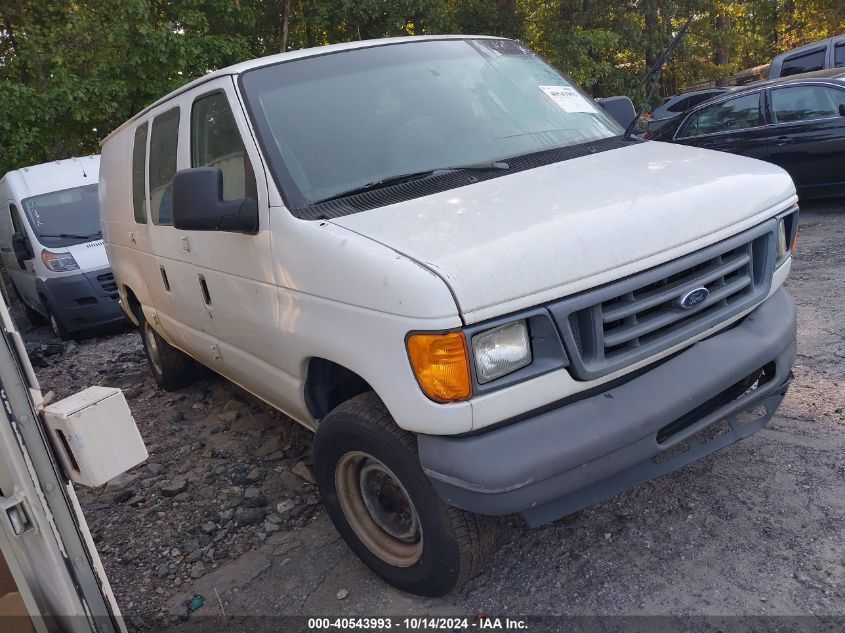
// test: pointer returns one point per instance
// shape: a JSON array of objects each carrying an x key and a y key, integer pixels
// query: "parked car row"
[{"x": 797, "y": 123}]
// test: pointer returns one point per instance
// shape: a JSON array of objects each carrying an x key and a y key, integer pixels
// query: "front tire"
[
  {"x": 385, "y": 508},
  {"x": 33, "y": 316},
  {"x": 59, "y": 330},
  {"x": 171, "y": 368}
]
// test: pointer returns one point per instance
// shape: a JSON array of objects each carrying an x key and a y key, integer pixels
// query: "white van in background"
[{"x": 51, "y": 245}]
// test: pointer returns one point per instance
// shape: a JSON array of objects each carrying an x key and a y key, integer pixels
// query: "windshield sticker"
[
  {"x": 567, "y": 99},
  {"x": 36, "y": 216}
]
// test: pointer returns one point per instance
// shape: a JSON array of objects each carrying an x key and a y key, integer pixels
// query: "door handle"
[
  {"x": 781, "y": 140},
  {"x": 15, "y": 513},
  {"x": 204, "y": 287},
  {"x": 164, "y": 278}
]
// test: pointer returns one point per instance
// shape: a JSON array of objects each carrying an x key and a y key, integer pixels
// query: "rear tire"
[
  {"x": 385, "y": 508},
  {"x": 171, "y": 368}
]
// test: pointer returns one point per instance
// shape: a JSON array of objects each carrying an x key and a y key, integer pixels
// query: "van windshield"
[
  {"x": 338, "y": 122},
  {"x": 66, "y": 217}
]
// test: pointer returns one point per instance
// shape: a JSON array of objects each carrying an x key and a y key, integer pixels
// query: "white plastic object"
[{"x": 95, "y": 435}]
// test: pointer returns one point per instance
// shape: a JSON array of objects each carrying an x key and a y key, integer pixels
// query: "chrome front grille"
[
  {"x": 614, "y": 326},
  {"x": 645, "y": 313}
]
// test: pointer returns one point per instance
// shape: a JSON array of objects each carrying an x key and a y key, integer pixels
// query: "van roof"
[
  {"x": 242, "y": 67},
  {"x": 55, "y": 175}
]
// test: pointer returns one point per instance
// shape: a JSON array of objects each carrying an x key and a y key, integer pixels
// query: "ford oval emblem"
[{"x": 694, "y": 298}]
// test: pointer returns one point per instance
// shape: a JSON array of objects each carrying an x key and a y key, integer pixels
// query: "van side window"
[
  {"x": 17, "y": 226},
  {"x": 839, "y": 55},
  {"x": 739, "y": 113},
  {"x": 164, "y": 138},
  {"x": 803, "y": 62},
  {"x": 139, "y": 156},
  {"x": 216, "y": 142},
  {"x": 805, "y": 103}
]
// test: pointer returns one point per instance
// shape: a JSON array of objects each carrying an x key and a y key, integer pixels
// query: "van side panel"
[
  {"x": 22, "y": 275},
  {"x": 6, "y": 228}
]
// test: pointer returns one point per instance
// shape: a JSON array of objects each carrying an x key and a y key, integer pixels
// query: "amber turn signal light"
[{"x": 441, "y": 365}]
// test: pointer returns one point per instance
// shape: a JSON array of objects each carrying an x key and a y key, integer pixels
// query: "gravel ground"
[{"x": 224, "y": 513}]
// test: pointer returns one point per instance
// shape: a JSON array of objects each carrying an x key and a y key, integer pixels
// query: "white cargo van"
[
  {"x": 443, "y": 258},
  {"x": 52, "y": 247}
]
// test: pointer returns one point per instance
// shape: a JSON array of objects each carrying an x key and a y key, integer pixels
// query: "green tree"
[{"x": 72, "y": 70}]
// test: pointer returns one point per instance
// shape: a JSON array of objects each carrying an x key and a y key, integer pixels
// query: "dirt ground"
[{"x": 223, "y": 514}]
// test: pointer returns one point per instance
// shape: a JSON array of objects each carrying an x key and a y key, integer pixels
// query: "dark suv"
[{"x": 829, "y": 53}]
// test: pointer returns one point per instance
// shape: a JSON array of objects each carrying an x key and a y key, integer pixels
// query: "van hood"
[
  {"x": 89, "y": 255},
  {"x": 524, "y": 238}
]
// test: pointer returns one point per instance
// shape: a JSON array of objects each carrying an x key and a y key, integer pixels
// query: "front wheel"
[
  {"x": 385, "y": 508},
  {"x": 59, "y": 330},
  {"x": 171, "y": 368},
  {"x": 33, "y": 316}
]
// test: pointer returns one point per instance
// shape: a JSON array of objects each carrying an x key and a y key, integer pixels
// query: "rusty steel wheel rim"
[
  {"x": 152, "y": 348},
  {"x": 378, "y": 509}
]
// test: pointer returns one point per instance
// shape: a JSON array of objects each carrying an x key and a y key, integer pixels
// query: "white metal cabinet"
[{"x": 43, "y": 535}]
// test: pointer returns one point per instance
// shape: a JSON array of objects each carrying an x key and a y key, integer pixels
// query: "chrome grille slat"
[
  {"x": 657, "y": 297},
  {"x": 611, "y": 327}
]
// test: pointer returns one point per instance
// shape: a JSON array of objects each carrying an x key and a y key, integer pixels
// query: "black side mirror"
[
  {"x": 620, "y": 108},
  {"x": 198, "y": 204},
  {"x": 22, "y": 247},
  {"x": 842, "y": 109}
]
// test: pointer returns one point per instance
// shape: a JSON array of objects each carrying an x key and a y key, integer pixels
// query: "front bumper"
[
  {"x": 564, "y": 459},
  {"x": 84, "y": 300}
]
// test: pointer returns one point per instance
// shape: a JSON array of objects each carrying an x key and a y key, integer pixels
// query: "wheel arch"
[
  {"x": 131, "y": 305},
  {"x": 329, "y": 384}
]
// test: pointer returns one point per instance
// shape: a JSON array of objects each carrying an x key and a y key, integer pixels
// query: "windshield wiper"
[
  {"x": 415, "y": 175},
  {"x": 73, "y": 235}
]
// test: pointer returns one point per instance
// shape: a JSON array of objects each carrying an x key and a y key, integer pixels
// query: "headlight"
[
  {"x": 501, "y": 351},
  {"x": 59, "y": 262}
]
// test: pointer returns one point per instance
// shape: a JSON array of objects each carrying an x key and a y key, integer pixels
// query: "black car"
[
  {"x": 670, "y": 107},
  {"x": 796, "y": 122}
]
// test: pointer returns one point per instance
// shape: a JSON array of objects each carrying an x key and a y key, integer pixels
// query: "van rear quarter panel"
[{"x": 127, "y": 259}]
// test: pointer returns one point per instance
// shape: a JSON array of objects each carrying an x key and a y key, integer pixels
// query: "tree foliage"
[{"x": 72, "y": 70}]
